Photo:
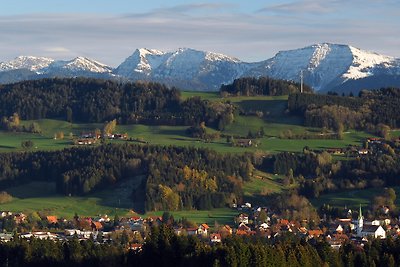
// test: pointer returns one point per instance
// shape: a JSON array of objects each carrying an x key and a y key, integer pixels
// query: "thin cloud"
[
  {"x": 195, "y": 7},
  {"x": 57, "y": 50},
  {"x": 249, "y": 37},
  {"x": 304, "y": 7}
]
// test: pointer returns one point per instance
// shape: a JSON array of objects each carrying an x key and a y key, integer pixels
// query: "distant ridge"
[{"x": 325, "y": 67}]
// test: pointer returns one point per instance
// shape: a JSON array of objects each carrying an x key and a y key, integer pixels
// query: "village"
[{"x": 250, "y": 222}]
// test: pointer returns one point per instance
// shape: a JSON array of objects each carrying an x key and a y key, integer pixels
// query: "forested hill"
[
  {"x": 176, "y": 177},
  {"x": 250, "y": 86},
  {"x": 366, "y": 111},
  {"x": 91, "y": 100}
]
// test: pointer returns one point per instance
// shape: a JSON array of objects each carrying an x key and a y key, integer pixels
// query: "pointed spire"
[{"x": 360, "y": 213}]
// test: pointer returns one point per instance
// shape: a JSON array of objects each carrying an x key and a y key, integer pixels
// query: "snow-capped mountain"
[
  {"x": 186, "y": 68},
  {"x": 141, "y": 63},
  {"x": 324, "y": 66},
  {"x": 76, "y": 66},
  {"x": 23, "y": 62},
  {"x": 22, "y": 68}
]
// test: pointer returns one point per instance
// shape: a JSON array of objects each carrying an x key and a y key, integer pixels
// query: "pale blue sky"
[{"x": 109, "y": 31}]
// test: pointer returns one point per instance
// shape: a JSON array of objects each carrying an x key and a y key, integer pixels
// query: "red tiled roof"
[
  {"x": 205, "y": 226},
  {"x": 215, "y": 236},
  {"x": 97, "y": 225},
  {"x": 52, "y": 219},
  {"x": 316, "y": 232}
]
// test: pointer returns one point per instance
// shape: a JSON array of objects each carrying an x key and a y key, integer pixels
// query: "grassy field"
[
  {"x": 221, "y": 215},
  {"x": 204, "y": 95},
  {"x": 351, "y": 198},
  {"x": 262, "y": 184},
  {"x": 41, "y": 196},
  {"x": 275, "y": 121}
]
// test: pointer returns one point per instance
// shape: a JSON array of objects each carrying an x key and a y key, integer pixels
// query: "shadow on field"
[
  {"x": 128, "y": 194},
  {"x": 8, "y": 147}
]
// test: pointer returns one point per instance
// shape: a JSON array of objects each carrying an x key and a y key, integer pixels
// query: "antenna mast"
[{"x": 301, "y": 81}]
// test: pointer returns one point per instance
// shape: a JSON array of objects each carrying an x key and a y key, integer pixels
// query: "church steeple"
[{"x": 360, "y": 222}]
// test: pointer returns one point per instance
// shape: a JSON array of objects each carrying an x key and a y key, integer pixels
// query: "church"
[{"x": 366, "y": 230}]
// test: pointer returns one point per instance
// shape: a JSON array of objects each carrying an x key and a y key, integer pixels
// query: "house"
[
  {"x": 71, "y": 232},
  {"x": 314, "y": 233},
  {"x": 44, "y": 235},
  {"x": 373, "y": 230},
  {"x": 243, "y": 227},
  {"x": 192, "y": 230},
  {"x": 85, "y": 141},
  {"x": 5, "y": 214},
  {"x": 51, "y": 219},
  {"x": 385, "y": 210},
  {"x": 243, "y": 218},
  {"x": 96, "y": 226},
  {"x": 136, "y": 247},
  {"x": 225, "y": 230},
  {"x": 375, "y": 140},
  {"x": 121, "y": 136},
  {"x": 90, "y": 135},
  {"x": 178, "y": 230},
  {"x": 215, "y": 238},
  {"x": 244, "y": 142},
  {"x": 363, "y": 151},
  {"x": 335, "y": 151},
  {"x": 203, "y": 229},
  {"x": 102, "y": 219},
  {"x": 137, "y": 226},
  {"x": 339, "y": 229},
  {"x": 263, "y": 226},
  {"x": 19, "y": 218},
  {"x": 4, "y": 237}
]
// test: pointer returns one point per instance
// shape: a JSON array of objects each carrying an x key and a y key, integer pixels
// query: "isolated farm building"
[{"x": 244, "y": 142}]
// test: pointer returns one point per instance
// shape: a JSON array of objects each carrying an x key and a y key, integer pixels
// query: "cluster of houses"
[
  {"x": 91, "y": 138},
  {"x": 336, "y": 232},
  {"x": 372, "y": 145},
  {"x": 250, "y": 221}
]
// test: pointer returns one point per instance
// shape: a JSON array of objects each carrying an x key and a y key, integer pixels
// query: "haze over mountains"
[{"x": 325, "y": 67}]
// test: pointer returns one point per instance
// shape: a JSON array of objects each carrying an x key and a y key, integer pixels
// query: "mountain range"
[{"x": 325, "y": 67}]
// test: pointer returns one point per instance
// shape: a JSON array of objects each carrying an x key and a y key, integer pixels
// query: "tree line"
[
  {"x": 164, "y": 248},
  {"x": 250, "y": 86},
  {"x": 371, "y": 110},
  {"x": 176, "y": 177},
  {"x": 95, "y": 100}
]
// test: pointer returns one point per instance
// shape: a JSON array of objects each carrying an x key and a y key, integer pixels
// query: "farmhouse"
[{"x": 244, "y": 142}]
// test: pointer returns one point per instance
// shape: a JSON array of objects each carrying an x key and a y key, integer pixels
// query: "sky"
[{"x": 110, "y": 31}]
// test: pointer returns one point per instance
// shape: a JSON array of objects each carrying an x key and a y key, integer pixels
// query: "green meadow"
[
  {"x": 351, "y": 198},
  {"x": 274, "y": 120},
  {"x": 41, "y": 197}
]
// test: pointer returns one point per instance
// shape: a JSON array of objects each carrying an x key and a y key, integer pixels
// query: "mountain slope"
[
  {"x": 186, "y": 68},
  {"x": 325, "y": 66},
  {"x": 24, "y": 62},
  {"x": 24, "y": 68}
]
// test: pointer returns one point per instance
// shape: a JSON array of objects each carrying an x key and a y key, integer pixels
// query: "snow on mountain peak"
[
  {"x": 85, "y": 64},
  {"x": 364, "y": 62},
  {"x": 211, "y": 56},
  {"x": 26, "y": 62}
]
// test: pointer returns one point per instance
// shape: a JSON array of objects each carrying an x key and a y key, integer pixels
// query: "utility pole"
[{"x": 301, "y": 81}]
